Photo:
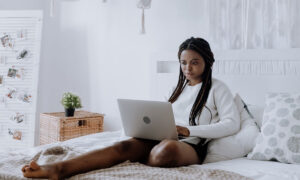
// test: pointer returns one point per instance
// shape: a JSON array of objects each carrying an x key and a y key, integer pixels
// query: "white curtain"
[{"x": 251, "y": 24}]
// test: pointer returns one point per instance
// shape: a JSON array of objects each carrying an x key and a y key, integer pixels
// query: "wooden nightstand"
[{"x": 56, "y": 127}]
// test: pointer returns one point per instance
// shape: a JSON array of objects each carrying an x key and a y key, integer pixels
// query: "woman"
[{"x": 203, "y": 108}]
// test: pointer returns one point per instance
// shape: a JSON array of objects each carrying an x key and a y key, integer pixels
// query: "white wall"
[
  {"x": 95, "y": 50},
  {"x": 119, "y": 56}
]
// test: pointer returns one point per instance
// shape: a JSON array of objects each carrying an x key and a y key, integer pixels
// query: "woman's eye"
[
  {"x": 195, "y": 63},
  {"x": 183, "y": 63}
]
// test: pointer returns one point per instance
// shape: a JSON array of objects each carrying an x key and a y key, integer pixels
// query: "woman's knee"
[
  {"x": 164, "y": 154},
  {"x": 133, "y": 149},
  {"x": 125, "y": 146}
]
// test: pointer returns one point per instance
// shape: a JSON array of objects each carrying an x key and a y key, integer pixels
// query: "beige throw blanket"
[{"x": 139, "y": 171}]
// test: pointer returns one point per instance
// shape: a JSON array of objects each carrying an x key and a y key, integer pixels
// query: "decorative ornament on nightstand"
[{"x": 70, "y": 102}]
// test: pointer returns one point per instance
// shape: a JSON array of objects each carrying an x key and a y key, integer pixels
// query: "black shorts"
[{"x": 201, "y": 149}]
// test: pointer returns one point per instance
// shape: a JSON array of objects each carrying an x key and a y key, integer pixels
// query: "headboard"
[{"x": 251, "y": 73}]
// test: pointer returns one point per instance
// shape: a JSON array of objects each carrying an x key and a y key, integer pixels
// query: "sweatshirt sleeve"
[{"x": 229, "y": 122}]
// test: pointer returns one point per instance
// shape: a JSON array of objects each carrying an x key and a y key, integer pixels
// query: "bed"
[
  {"x": 250, "y": 73},
  {"x": 240, "y": 168}
]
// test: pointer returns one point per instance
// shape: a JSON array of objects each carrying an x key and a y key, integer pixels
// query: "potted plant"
[{"x": 70, "y": 102}]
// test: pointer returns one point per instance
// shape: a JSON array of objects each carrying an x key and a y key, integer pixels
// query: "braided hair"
[{"x": 202, "y": 47}]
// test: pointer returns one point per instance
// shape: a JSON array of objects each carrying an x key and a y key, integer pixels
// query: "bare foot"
[{"x": 33, "y": 170}]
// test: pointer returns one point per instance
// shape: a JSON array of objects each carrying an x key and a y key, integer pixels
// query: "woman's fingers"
[
  {"x": 183, "y": 131},
  {"x": 178, "y": 130}
]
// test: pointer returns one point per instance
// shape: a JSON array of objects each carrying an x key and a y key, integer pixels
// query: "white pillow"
[
  {"x": 257, "y": 112},
  {"x": 237, "y": 145},
  {"x": 280, "y": 133}
]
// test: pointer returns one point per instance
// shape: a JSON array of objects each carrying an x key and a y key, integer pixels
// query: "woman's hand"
[{"x": 183, "y": 131}]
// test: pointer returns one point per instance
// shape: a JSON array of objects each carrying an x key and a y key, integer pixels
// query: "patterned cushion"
[{"x": 280, "y": 133}]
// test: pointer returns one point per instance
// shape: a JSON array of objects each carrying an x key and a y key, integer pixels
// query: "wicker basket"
[{"x": 56, "y": 127}]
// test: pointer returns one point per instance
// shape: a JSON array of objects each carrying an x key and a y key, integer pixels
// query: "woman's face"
[{"x": 192, "y": 65}]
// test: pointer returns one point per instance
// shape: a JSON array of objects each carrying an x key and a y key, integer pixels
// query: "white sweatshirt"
[{"x": 219, "y": 118}]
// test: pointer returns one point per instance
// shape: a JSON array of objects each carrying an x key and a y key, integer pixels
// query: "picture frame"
[
  {"x": 16, "y": 134},
  {"x": 22, "y": 54},
  {"x": 25, "y": 97},
  {"x": 12, "y": 72},
  {"x": 17, "y": 117},
  {"x": 7, "y": 41},
  {"x": 12, "y": 93}
]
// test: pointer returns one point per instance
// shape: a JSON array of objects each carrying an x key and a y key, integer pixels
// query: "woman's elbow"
[{"x": 236, "y": 125}]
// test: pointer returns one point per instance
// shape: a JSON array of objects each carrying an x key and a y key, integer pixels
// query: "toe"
[
  {"x": 23, "y": 168},
  {"x": 33, "y": 165},
  {"x": 27, "y": 169}
]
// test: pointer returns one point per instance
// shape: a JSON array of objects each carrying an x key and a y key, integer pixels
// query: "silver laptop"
[{"x": 148, "y": 119}]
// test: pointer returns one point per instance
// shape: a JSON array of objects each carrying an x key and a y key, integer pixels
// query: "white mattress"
[
  {"x": 260, "y": 170},
  {"x": 12, "y": 161}
]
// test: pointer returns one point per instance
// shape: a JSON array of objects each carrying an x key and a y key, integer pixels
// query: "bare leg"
[
  {"x": 170, "y": 153},
  {"x": 133, "y": 150}
]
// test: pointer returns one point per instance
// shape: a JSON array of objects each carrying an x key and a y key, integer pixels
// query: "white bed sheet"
[
  {"x": 258, "y": 170},
  {"x": 12, "y": 161}
]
